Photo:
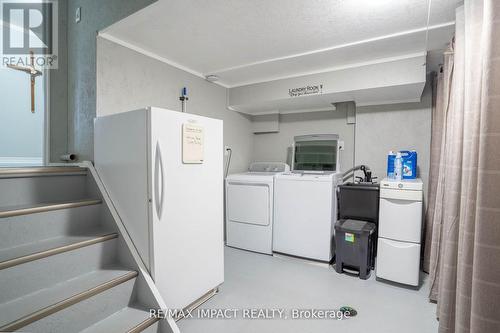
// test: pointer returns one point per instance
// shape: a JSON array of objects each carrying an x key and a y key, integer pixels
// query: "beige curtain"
[
  {"x": 440, "y": 102},
  {"x": 464, "y": 210}
]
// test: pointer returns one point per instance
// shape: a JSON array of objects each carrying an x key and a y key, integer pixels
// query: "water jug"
[
  {"x": 409, "y": 164},
  {"x": 390, "y": 164}
]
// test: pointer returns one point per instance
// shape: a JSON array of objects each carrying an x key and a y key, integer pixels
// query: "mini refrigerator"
[
  {"x": 400, "y": 230},
  {"x": 163, "y": 171}
]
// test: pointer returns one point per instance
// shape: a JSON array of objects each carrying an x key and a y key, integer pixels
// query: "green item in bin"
[{"x": 349, "y": 237}]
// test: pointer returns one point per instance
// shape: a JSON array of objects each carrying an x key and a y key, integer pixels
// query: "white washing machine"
[
  {"x": 305, "y": 199},
  {"x": 249, "y": 207},
  {"x": 305, "y": 214},
  {"x": 400, "y": 231}
]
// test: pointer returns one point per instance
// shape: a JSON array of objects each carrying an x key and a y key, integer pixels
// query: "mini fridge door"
[
  {"x": 400, "y": 217},
  {"x": 398, "y": 261}
]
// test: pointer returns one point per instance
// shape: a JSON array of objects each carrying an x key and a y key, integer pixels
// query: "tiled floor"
[{"x": 254, "y": 281}]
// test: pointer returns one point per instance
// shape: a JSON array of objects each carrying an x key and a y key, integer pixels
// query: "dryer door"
[{"x": 249, "y": 203}]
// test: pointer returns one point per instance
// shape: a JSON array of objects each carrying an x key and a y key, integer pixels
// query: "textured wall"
[
  {"x": 378, "y": 129},
  {"x": 275, "y": 146},
  {"x": 394, "y": 127},
  {"x": 96, "y": 15},
  {"x": 127, "y": 80},
  {"x": 59, "y": 92}
]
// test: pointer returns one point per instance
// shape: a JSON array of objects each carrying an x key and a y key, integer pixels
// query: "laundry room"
[
  {"x": 364, "y": 104},
  {"x": 257, "y": 166}
]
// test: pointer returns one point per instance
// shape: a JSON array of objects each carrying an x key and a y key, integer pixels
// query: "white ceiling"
[{"x": 246, "y": 42}]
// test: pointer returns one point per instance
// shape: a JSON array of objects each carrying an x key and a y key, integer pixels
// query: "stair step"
[
  {"x": 51, "y": 188},
  {"x": 45, "y": 207},
  {"x": 41, "y": 171},
  {"x": 33, "y": 251},
  {"x": 24, "y": 229},
  {"x": 80, "y": 315},
  {"x": 131, "y": 319},
  {"x": 21, "y": 312},
  {"x": 21, "y": 280},
  {"x": 63, "y": 266}
]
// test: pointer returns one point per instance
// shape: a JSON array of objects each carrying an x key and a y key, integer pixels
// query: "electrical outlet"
[
  {"x": 226, "y": 150},
  {"x": 78, "y": 14}
]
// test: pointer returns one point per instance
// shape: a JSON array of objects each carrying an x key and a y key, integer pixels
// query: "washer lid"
[
  {"x": 405, "y": 184},
  {"x": 303, "y": 176}
]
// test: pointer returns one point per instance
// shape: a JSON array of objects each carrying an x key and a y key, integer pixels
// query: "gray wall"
[
  {"x": 59, "y": 91},
  {"x": 95, "y": 15},
  {"x": 127, "y": 80},
  {"x": 274, "y": 146},
  {"x": 394, "y": 127},
  {"x": 378, "y": 129}
]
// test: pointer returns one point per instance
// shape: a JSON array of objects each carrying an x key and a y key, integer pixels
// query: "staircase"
[{"x": 66, "y": 262}]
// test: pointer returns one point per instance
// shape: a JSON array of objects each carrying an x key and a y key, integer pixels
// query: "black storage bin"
[
  {"x": 359, "y": 202},
  {"x": 355, "y": 241}
]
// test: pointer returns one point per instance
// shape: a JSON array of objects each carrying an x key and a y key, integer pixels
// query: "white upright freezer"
[{"x": 164, "y": 173}]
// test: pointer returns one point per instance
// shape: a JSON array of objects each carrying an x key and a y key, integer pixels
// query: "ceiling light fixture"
[{"x": 212, "y": 78}]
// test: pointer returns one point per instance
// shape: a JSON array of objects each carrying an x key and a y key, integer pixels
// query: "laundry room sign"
[
  {"x": 192, "y": 144},
  {"x": 313, "y": 89}
]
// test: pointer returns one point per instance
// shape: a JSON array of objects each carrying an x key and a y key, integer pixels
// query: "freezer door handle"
[{"x": 159, "y": 182}]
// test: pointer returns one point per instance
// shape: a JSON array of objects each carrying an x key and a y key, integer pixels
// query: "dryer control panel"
[{"x": 268, "y": 167}]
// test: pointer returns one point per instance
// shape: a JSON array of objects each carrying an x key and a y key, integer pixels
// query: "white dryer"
[{"x": 249, "y": 207}]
